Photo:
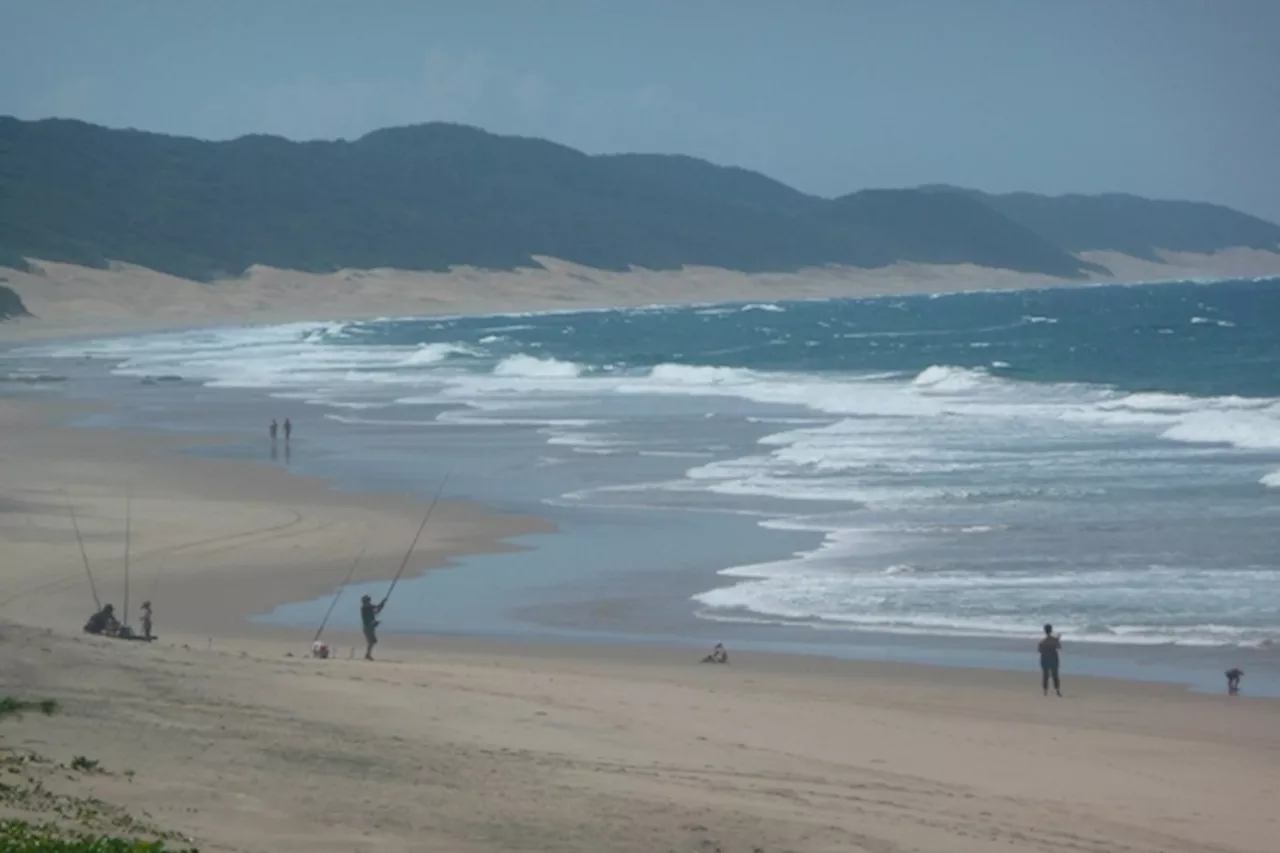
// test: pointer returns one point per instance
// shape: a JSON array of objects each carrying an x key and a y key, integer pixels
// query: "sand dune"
[{"x": 72, "y": 300}]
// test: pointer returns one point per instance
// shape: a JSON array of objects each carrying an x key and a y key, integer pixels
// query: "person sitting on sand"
[
  {"x": 718, "y": 655},
  {"x": 1233, "y": 680},
  {"x": 1049, "y": 647},
  {"x": 320, "y": 649},
  {"x": 369, "y": 620},
  {"x": 146, "y": 620},
  {"x": 103, "y": 622}
]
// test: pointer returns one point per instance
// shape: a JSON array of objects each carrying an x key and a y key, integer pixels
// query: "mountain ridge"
[{"x": 434, "y": 196}]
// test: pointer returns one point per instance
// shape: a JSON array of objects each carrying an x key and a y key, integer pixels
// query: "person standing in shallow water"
[
  {"x": 369, "y": 621},
  {"x": 1049, "y": 648},
  {"x": 288, "y": 429},
  {"x": 1233, "y": 680},
  {"x": 271, "y": 430}
]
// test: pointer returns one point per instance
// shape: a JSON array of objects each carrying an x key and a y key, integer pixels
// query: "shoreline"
[
  {"x": 903, "y": 649},
  {"x": 482, "y": 532}
]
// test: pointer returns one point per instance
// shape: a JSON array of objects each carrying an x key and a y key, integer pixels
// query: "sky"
[{"x": 1162, "y": 98}]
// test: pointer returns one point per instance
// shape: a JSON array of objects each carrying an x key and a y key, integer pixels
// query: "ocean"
[{"x": 966, "y": 466}]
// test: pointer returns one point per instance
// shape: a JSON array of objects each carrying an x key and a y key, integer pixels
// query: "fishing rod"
[
  {"x": 75, "y": 525},
  {"x": 128, "y": 524},
  {"x": 416, "y": 536},
  {"x": 350, "y": 573}
]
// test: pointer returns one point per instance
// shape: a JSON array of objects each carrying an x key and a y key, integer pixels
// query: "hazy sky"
[{"x": 1167, "y": 98}]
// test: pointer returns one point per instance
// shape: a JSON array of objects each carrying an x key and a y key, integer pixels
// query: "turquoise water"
[{"x": 970, "y": 465}]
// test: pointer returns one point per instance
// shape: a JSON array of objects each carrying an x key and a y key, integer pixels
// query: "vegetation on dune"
[
  {"x": 11, "y": 304},
  {"x": 1130, "y": 224},
  {"x": 72, "y": 824},
  {"x": 13, "y": 707},
  {"x": 433, "y": 196}
]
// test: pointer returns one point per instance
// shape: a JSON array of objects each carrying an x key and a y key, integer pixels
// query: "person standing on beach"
[
  {"x": 271, "y": 430},
  {"x": 288, "y": 429},
  {"x": 146, "y": 619},
  {"x": 1049, "y": 647},
  {"x": 369, "y": 621}
]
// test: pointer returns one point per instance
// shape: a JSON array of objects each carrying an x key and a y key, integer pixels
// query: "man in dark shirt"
[
  {"x": 1049, "y": 647},
  {"x": 102, "y": 622},
  {"x": 369, "y": 619}
]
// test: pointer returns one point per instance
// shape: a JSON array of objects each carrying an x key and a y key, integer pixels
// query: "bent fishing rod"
[
  {"x": 416, "y": 536},
  {"x": 75, "y": 525}
]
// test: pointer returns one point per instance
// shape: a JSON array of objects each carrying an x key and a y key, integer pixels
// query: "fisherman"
[
  {"x": 103, "y": 622},
  {"x": 271, "y": 430},
  {"x": 718, "y": 655},
  {"x": 1233, "y": 680},
  {"x": 1049, "y": 648},
  {"x": 146, "y": 620},
  {"x": 369, "y": 620},
  {"x": 288, "y": 430}
]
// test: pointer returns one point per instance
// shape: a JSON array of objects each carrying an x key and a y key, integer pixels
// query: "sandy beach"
[
  {"x": 831, "y": 427},
  {"x": 225, "y": 733}
]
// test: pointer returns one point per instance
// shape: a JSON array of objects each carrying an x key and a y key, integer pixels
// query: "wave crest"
[{"x": 533, "y": 368}]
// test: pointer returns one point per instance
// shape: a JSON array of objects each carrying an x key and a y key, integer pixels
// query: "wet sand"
[{"x": 213, "y": 541}]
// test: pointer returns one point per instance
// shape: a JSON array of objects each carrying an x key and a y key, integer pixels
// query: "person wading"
[
  {"x": 369, "y": 620},
  {"x": 1233, "y": 680},
  {"x": 1049, "y": 648}
]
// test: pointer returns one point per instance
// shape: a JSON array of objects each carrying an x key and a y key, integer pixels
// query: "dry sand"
[
  {"x": 70, "y": 300},
  {"x": 237, "y": 741}
]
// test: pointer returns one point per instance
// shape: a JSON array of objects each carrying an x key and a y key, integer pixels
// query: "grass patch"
[
  {"x": 86, "y": 765},
  {"x": 19, "y": 835},
  {"x": 66, "y": 823},
  {"x": 93, "y": 820}
]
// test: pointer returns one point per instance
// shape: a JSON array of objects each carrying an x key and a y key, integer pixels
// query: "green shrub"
[{"x": 11, "y": 707}]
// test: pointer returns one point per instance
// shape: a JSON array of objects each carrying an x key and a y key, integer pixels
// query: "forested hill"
[
  {"x": 1131, "y": 224},
  {"x": 432, "y": 196}
]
